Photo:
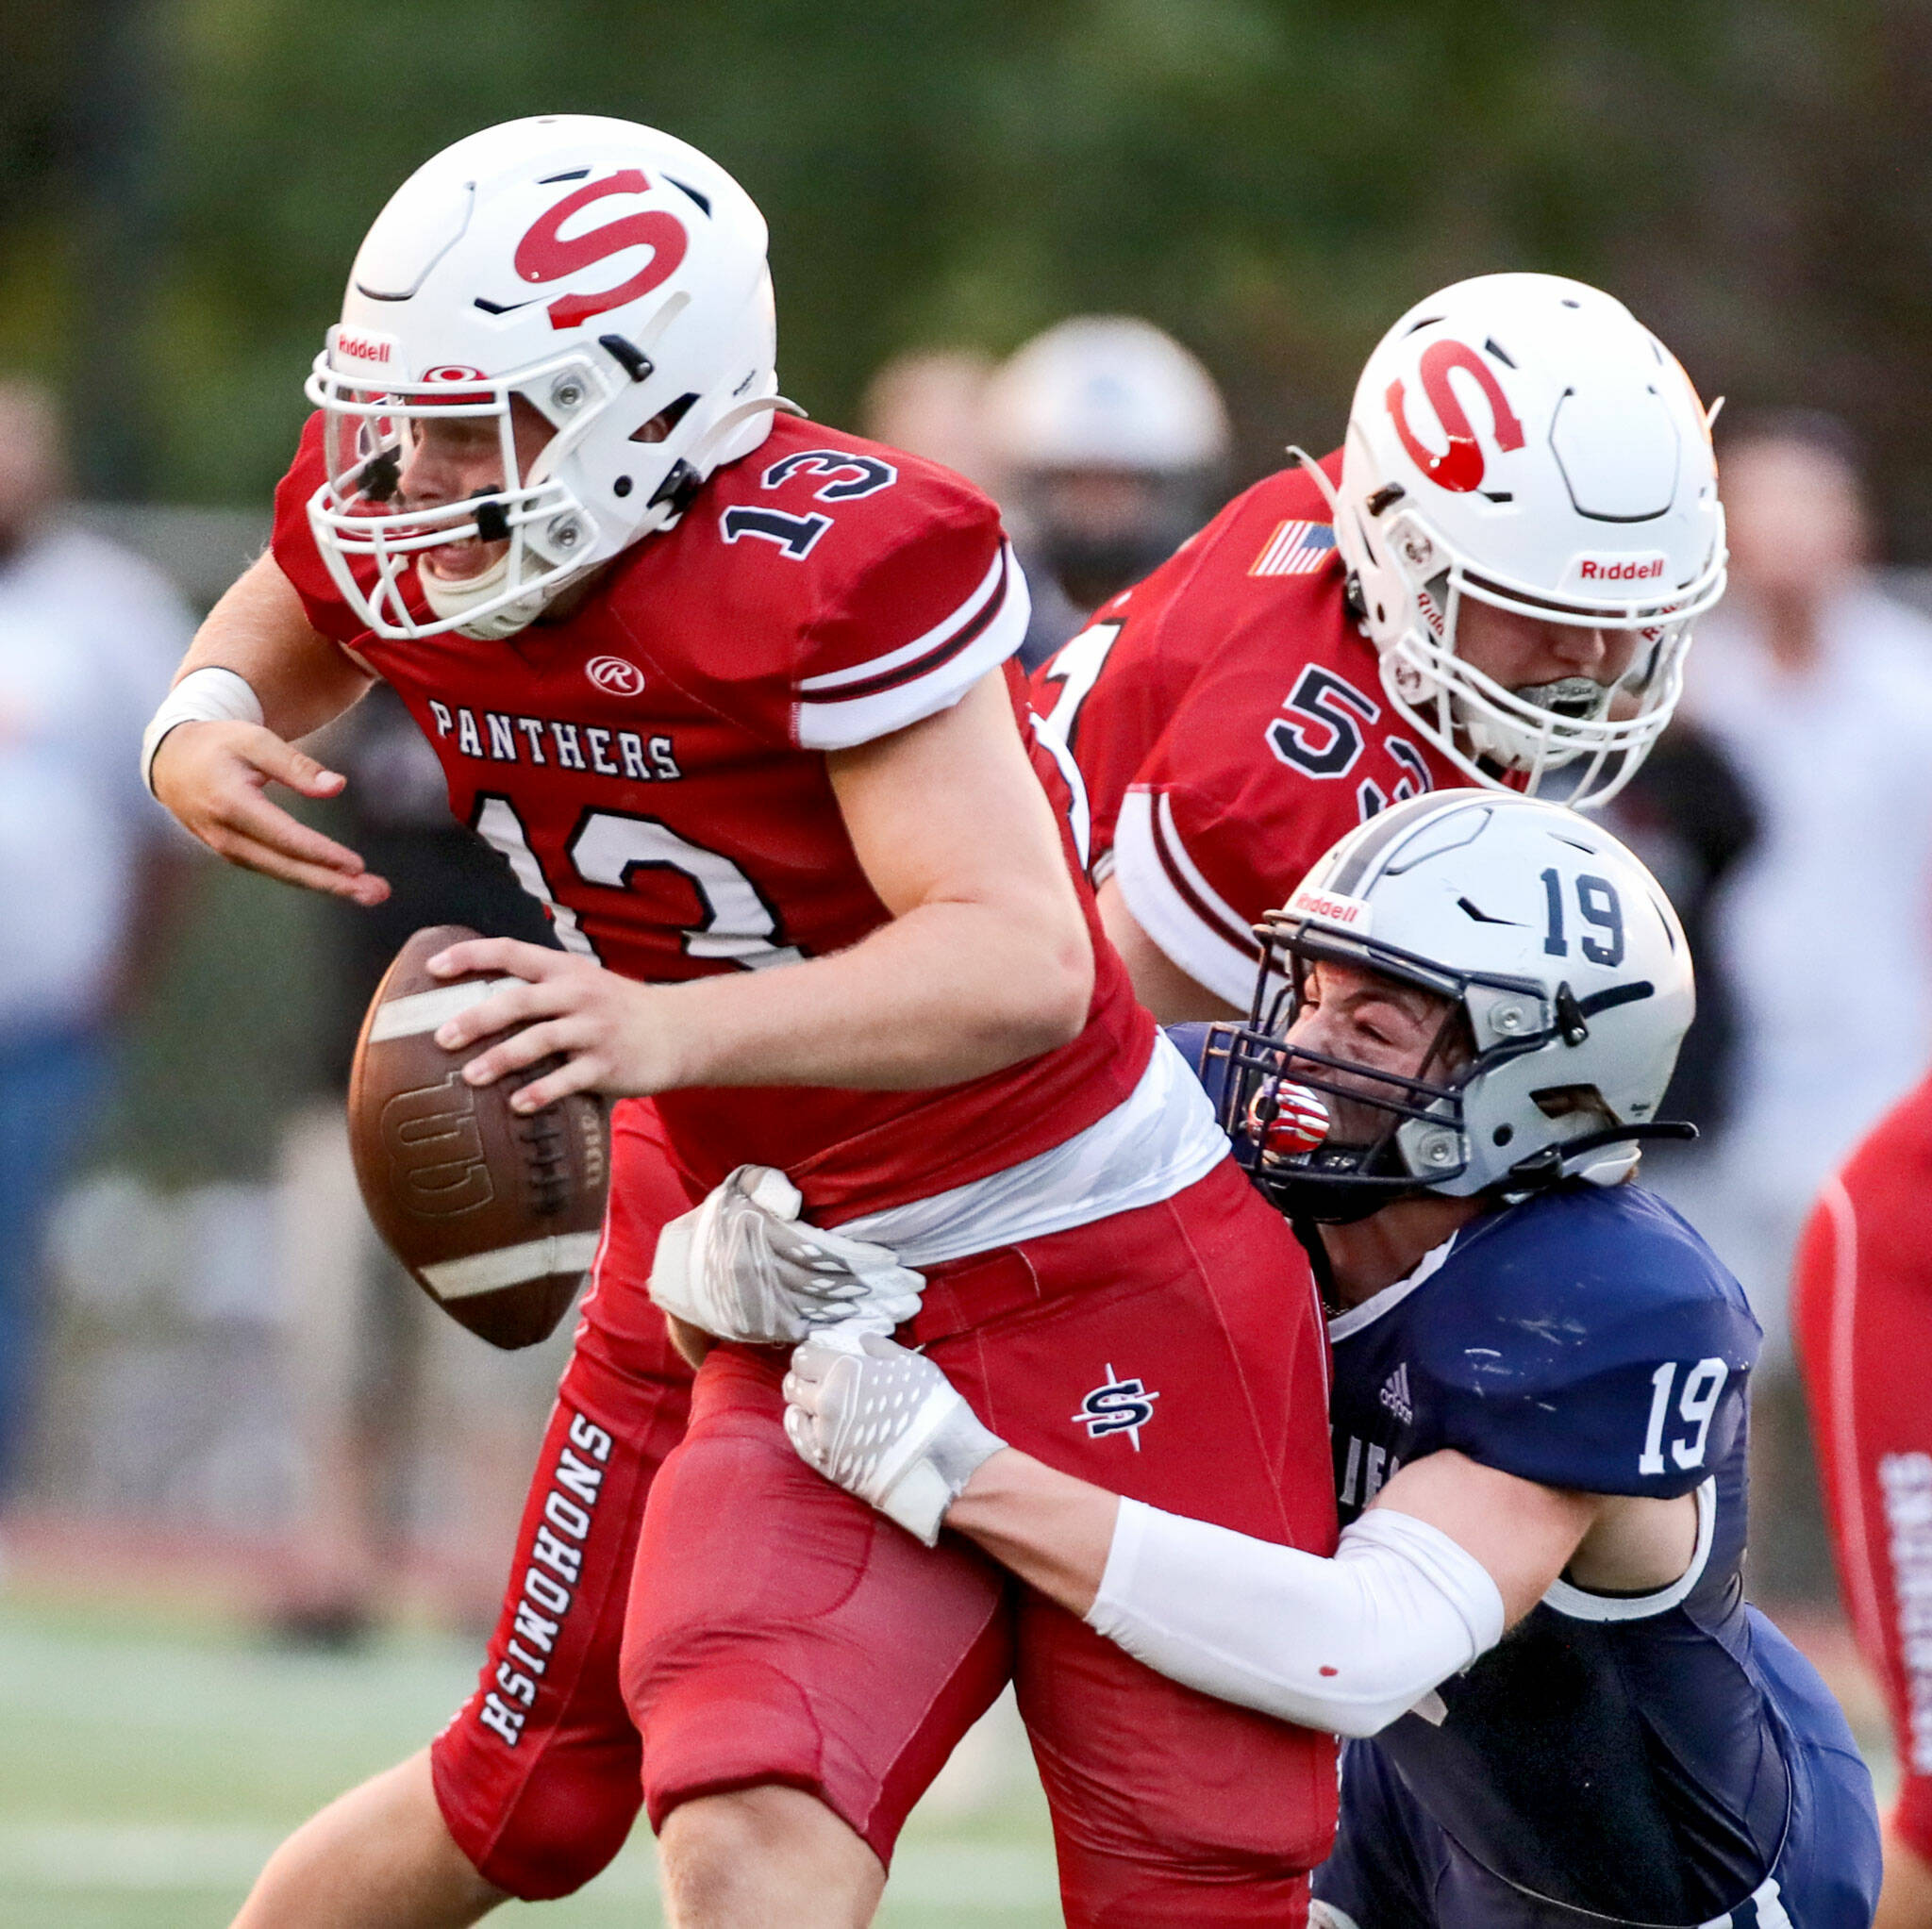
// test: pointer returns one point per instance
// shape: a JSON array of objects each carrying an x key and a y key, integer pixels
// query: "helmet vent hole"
[
  {"x": 1389, "y": 492},
  {"x": 622, "y": 486},
  {"x": 1504, "y": 1134},
  {"x": 704, "y": 200},
  {"x": 575, "y": 174},
  {"x": 1478, "y": 915},
  {"x": 666, "y": 419},
  {"x": 1496, "y": 348}
]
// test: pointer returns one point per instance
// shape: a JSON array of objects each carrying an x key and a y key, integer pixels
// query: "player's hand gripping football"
[
  {"x": 885, "y": 1423},
  {"x": 212, "y": 776},
  {"x": 614, "y": 1035},
  {"x": 743, "y": 1265}
]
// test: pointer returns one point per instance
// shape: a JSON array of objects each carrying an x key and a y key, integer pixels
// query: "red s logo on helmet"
[
  {"x": 544, "y": 255},
  {"x": 1461, "y": 465}
]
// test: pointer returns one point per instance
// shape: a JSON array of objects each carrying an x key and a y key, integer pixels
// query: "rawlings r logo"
[{"x": 1117, "y": 1406}]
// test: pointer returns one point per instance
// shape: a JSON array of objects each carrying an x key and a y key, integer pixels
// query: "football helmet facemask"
[
  {"x": 1523, "y": 441},
  {"x": 1567, "y": 988},
  {"x": 609, "y": 277}
]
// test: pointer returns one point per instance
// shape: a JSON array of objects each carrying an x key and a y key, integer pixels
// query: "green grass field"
[{"x": 150, "y": 1761}]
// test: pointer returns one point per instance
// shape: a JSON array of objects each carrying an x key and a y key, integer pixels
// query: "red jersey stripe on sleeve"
[{"x": 886, "y": 692}]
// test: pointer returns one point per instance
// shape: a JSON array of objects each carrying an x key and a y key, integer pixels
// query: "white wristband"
[{"x": 203, "y": 696}]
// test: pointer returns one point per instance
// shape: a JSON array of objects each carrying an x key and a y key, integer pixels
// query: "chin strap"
[
  {"x": 1329, "y": 493},
  {"x": 1545, "y": 1167},
  {"x": 1309, "y": 1233}
]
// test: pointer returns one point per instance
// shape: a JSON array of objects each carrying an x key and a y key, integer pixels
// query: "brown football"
[{"x": 496, "y": 1215}]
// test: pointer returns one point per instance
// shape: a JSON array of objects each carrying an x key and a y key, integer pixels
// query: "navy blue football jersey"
[
  {"x": 1631, "y": 1758},
  {"x": 1615, "y": 1754}
]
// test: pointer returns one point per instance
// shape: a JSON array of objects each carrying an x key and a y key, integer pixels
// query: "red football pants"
[
  {"x": 781, "y": 1631},
  {"x": 538, "y": 1774},
  {"x": 1861, "y": 1312}
]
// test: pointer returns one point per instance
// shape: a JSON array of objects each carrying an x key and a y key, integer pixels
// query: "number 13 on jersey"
[{"x": 736, "y": 926}]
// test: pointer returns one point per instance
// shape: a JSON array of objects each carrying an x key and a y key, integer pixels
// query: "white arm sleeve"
[{"x": 1344, "y": 1645}]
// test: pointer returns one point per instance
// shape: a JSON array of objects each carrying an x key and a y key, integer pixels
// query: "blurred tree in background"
[{"x": 183, "y": 182}]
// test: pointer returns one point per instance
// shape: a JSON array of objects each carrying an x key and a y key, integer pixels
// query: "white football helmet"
[
  {"x": 1106, "y": 391},
  {"x": 1569, "y": 984},
  {"x": 1524, "y": 440},
  {"x": 613, "y": 278},
  {"x": 1105, "y": 399}
]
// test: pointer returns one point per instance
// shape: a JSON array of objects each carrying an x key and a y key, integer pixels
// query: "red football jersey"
[
  {"x": 1228, "y": 718},
  {"x": 653, "y": 767}
]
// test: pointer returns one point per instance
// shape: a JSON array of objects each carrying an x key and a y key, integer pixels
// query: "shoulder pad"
[{"x": 1588, "y": 1339}]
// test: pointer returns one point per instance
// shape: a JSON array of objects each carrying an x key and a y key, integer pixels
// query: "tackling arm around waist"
[{"x": 1346, "y": 1644}]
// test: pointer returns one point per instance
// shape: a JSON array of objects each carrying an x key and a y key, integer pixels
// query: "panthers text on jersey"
[
  {"x": 1228, "y": 719},
  {"x": 653, "y": 768}
]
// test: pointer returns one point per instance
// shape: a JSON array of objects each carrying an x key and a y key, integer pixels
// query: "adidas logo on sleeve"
[{"x": 1395, "y": 1395}]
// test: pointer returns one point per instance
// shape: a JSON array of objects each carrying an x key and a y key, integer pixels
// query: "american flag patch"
[{"x": 1295, "y": 549}]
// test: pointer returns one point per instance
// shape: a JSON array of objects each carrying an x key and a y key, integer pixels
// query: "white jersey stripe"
[
  {"x": 985, "y": 638},
  {"x": 834, "y": 680},
  {"x": 1176, "y": 905},
  {"x": 1842, "y": 1385}
]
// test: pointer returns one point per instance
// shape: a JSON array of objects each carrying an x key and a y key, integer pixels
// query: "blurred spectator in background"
[
  {"x": 1687, "y": 813},
  {"x": 1818, "y": 688},
  {"x": 1113, "y": 442},
  {"x": 91, "y": 870},
  {"x": 368, "y": 1357},
  {"x": 932, "y": 403}
]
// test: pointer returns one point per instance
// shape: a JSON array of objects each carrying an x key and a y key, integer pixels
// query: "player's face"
[
  {"x": 455, "y": 458},
  {"x": 1379, "y": 1023},
  {"x": 1529, "y": 655}
]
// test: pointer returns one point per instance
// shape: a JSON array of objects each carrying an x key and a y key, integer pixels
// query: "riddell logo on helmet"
[
  {"x": 1331, "y": 907},
  {"x": 1619, "y": 569},
  {"x": 377, "y": 348}
]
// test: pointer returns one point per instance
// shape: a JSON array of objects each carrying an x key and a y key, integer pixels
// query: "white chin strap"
[{"x": 450, "y": 596}]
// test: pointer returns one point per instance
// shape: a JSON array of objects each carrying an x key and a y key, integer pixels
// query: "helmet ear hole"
[
  {"x": 1584, "y": 1103},
  {"x": 666, "y": 419}
]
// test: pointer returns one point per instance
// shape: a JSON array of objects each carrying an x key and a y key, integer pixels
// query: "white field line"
[{"x": 167, "y": 1857}]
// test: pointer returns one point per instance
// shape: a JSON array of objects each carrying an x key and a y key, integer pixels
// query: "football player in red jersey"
[
  {"x": 1493, "y": 580},
  {"x": 780, "y": 732},
  {"x": 1860, "y": 1298}
]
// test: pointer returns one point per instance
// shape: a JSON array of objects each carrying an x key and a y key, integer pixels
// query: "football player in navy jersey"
[{"x": 1534, "y": 1627}]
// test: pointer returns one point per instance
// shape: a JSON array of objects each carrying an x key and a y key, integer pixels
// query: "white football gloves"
[
  {"x": 883, "y": 1423},
  {"x": 743, "y": 1265}
]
